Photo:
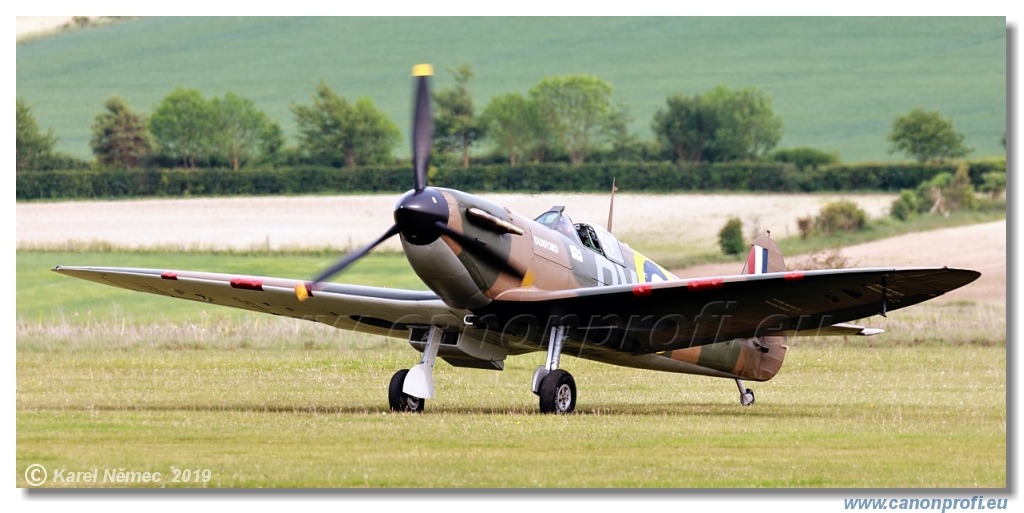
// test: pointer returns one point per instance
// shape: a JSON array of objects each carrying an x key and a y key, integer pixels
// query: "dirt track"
[
  {"x": 350, "y": 221},
  {"x": 981, "y": 247}
]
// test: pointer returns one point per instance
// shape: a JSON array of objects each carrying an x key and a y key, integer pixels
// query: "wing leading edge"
[{"x": 376, "y": 310}]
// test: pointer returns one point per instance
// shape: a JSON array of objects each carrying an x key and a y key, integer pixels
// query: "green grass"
[
  {"x": 836, "y": 417},
  {"x": 838, "y": 83}
]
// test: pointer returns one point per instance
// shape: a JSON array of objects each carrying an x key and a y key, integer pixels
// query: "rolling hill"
[{"x": 838, "y": 83}]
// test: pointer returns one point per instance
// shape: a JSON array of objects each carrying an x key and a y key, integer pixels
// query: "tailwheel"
[
  {"x": 747, "y": 397},
  {"x": 399, "y": 400},
  {"x": 557, "y": 393}
]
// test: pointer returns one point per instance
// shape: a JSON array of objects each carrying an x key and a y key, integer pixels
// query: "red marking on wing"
[
  {"x": 247, "y": 284},
  {"x": 642, "y": 290},
  {"x": 169, "y": 275},
  {"x": 794, "y": 276},
  {"x": 711, "y": 283}
]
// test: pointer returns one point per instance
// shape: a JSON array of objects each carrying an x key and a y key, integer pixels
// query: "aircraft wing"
[
  {"x": 652, "y": 317},
  {"x": 376, "y": 310}
]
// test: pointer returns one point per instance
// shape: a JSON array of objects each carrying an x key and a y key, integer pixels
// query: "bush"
[
  {"x": 163, "y": 179},
  {"x": 806, "y": 226},
  {"x": 960, "y": 193},
  {"x": 730, "y": 238},
  {"x": 840, "y": 216},
  {"x": 994, "y": 183},
  {"x": 805, "y": 157},
  {"x": 904, "y": 206},
  {"x": 825, "y": 259}
]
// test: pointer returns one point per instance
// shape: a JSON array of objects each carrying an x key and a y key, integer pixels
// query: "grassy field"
[
  {"x": 837, "y": 82},
  {"x": 838, "y": 416}
]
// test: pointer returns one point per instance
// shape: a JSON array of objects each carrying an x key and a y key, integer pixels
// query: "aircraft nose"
[{"x": 417, "y": 213}]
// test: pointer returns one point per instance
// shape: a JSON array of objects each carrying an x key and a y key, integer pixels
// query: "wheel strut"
[
  {"x": 409, "y": 389},
  {"x": 746, "y": 394},
  {"x": 555, "y": 387}
]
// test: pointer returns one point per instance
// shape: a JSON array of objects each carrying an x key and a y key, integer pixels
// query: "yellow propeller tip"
[
  {"x": 301, "y": 292},
  {"x": 422, "y": 70}
]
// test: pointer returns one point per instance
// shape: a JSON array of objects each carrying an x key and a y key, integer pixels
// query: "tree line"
[{"x": 569, "y": 118}]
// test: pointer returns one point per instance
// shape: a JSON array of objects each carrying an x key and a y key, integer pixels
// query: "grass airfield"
[
  {"x": 836, "y": 417},
  {"x": 112, "y": 379}
]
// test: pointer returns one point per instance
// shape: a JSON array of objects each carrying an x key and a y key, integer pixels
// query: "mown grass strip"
[{"x": 836, "y": 417}]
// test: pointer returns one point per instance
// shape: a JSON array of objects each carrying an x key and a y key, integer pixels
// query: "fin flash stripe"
[{"x": 757, "y": 261}]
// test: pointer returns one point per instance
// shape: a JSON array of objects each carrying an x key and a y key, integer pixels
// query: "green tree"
[
  {"x": 456, "y": 126},
  {"x": 34, "y": 149},
  {"x": 747, "y": 128},
  {"x": 245, "y": 132},
  {"x": 926, "y": 136},
  {"x": 185, "y": 126},
  {"x": 576, "y": 108},
  {"x": 333, "y": 131},
  {"x": 685, "y": 127},
  {"x": 121, "y": 137},
  {"x": 374, "y": 135},
  {"x": 625, "y": 145},
  {"x": 514, "y": 126}
]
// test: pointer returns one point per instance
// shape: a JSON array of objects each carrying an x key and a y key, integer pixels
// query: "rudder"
[{"x": 764, "y": 257}]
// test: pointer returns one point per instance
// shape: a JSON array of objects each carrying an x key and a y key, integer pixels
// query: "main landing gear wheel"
[
  {"x": 557, "y": 393},
  {"x": 399, "y": 400},
  {"x": 747, "y": 397}
]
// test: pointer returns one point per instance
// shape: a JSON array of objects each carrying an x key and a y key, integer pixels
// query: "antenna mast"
[{"x": 611, "y": 205}]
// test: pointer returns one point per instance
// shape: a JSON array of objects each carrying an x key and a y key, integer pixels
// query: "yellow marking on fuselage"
[{"x": 528, "y": 278}]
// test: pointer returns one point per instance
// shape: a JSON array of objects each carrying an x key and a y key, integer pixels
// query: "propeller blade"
[
  {"x": 478, "y": 249},
  {"x": 303, "y": 290},
  {"x": 423, "y": 125}
]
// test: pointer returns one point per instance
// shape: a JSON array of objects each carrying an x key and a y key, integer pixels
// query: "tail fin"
[{"x": 764, "y": 257}]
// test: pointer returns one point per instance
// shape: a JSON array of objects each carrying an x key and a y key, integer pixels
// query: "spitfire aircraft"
[{"x": 502, "y": 284}]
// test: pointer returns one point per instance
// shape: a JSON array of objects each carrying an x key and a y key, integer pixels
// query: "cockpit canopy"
[{"x": 593, "y": 237}]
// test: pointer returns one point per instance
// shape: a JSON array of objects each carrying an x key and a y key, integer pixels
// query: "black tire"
[
  {"x": 557, "y": 393},
  {"x": 399, "y": 400}
]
